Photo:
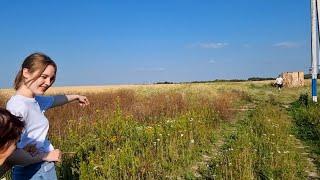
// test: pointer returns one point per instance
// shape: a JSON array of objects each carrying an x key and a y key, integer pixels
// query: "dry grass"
[{"x": 148, "y": 109}]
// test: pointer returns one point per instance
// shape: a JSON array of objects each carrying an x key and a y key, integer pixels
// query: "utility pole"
[{"x": 314, "y": 46}]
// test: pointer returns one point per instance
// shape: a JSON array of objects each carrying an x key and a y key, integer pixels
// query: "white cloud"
[
  {"x": 210, "y": 45},
  {"x": 287, "y": 44},
  {"x": 247, "y": 45},
  {"x": 212, "y": 61},
  {"x": 160, "y": 69},
  {"x": 213, "y": 45}
]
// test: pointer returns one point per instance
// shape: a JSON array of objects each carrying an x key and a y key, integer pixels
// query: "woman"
[{"x": 37, "y": 74}]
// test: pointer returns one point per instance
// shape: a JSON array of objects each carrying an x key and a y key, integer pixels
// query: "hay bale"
[{"x": 293, "y": 79}]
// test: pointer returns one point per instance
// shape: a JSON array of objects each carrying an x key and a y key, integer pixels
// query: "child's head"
[
  {"x": 10, "y": 130},
  {"x": 37, "y": 72}
]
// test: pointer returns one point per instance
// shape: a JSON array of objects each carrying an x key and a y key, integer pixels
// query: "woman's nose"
[{"x": 47, "y": 81}]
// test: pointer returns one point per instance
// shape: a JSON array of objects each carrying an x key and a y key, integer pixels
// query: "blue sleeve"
[{"x": 45, "y": 102}]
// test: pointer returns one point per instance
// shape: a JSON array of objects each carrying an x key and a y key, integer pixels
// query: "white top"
[
  {"x": 31, "y": 110},
  {"x": 279, "y": 80}
]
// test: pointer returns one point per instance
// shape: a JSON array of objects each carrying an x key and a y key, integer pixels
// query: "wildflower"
[
  {"x": 139, "y": 128},
  {"x": 97, "y": 110},
  {"x": 192, "y": 141},
  {"x": 113, "y": 138},
  {"x": 181, "y": 135},
  {"x": 158, "y": 140},
  {"x": 285, "y": 152},
  {"x": 191, "y": 119},
  {"x": 279, "y": 152},
  {"x": 272, "y": 134},
  {"x": 160, "y": 134},
  {"x": 154, "y": 143},
  {"x": 118, "y": 149},
  {"x": 264, "y": 134},
  {"x": 230, "y": 164}
]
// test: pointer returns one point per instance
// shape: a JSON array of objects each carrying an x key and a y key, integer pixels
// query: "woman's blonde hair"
[{"x": 34, "y": 62}]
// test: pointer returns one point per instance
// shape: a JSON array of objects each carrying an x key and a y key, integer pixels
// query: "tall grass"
[
  {"x": 307, "y": 124},
  {"x": 125, "y": 135}
]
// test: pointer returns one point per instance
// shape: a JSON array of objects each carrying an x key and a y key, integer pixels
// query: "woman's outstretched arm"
[{"x": 63, "y": 99}]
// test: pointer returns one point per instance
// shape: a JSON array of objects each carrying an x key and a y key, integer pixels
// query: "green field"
[{"x": 223, "y": 130}]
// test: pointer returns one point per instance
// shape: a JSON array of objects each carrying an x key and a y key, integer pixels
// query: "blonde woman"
[{"x": 36, "y": 75}]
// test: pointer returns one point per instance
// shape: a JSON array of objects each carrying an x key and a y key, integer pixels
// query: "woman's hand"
[
  {"x": 54, "y": 155},
  {"x": 83, "y": 101}
]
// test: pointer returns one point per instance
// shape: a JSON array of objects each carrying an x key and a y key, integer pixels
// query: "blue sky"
[{"x": 143, "y": 41}]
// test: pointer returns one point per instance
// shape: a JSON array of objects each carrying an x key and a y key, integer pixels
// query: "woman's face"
[{"x": 42, "y": 83}]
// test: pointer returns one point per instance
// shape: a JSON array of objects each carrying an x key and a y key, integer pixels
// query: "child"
[{"x": 10, "y": 130}]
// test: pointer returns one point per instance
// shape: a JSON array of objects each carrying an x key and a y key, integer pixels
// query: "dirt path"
[
  {"x": 222, "y": 134},
  {"x": 311, "y": 169}
]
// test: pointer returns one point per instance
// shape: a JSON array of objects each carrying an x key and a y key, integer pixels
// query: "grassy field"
[{"x": 242, "y": 130}]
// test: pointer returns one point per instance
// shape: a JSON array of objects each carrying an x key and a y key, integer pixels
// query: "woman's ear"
[{"x": 25, "y": 73}]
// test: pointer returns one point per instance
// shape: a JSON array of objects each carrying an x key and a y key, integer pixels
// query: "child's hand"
[{"x": 54, "y": 155}]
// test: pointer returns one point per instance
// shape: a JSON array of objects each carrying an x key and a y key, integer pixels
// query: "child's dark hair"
[{"x": 10, "y": 129}]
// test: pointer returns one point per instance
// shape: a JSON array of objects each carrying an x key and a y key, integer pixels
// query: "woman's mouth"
[{"x": 43, "y": 88}]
